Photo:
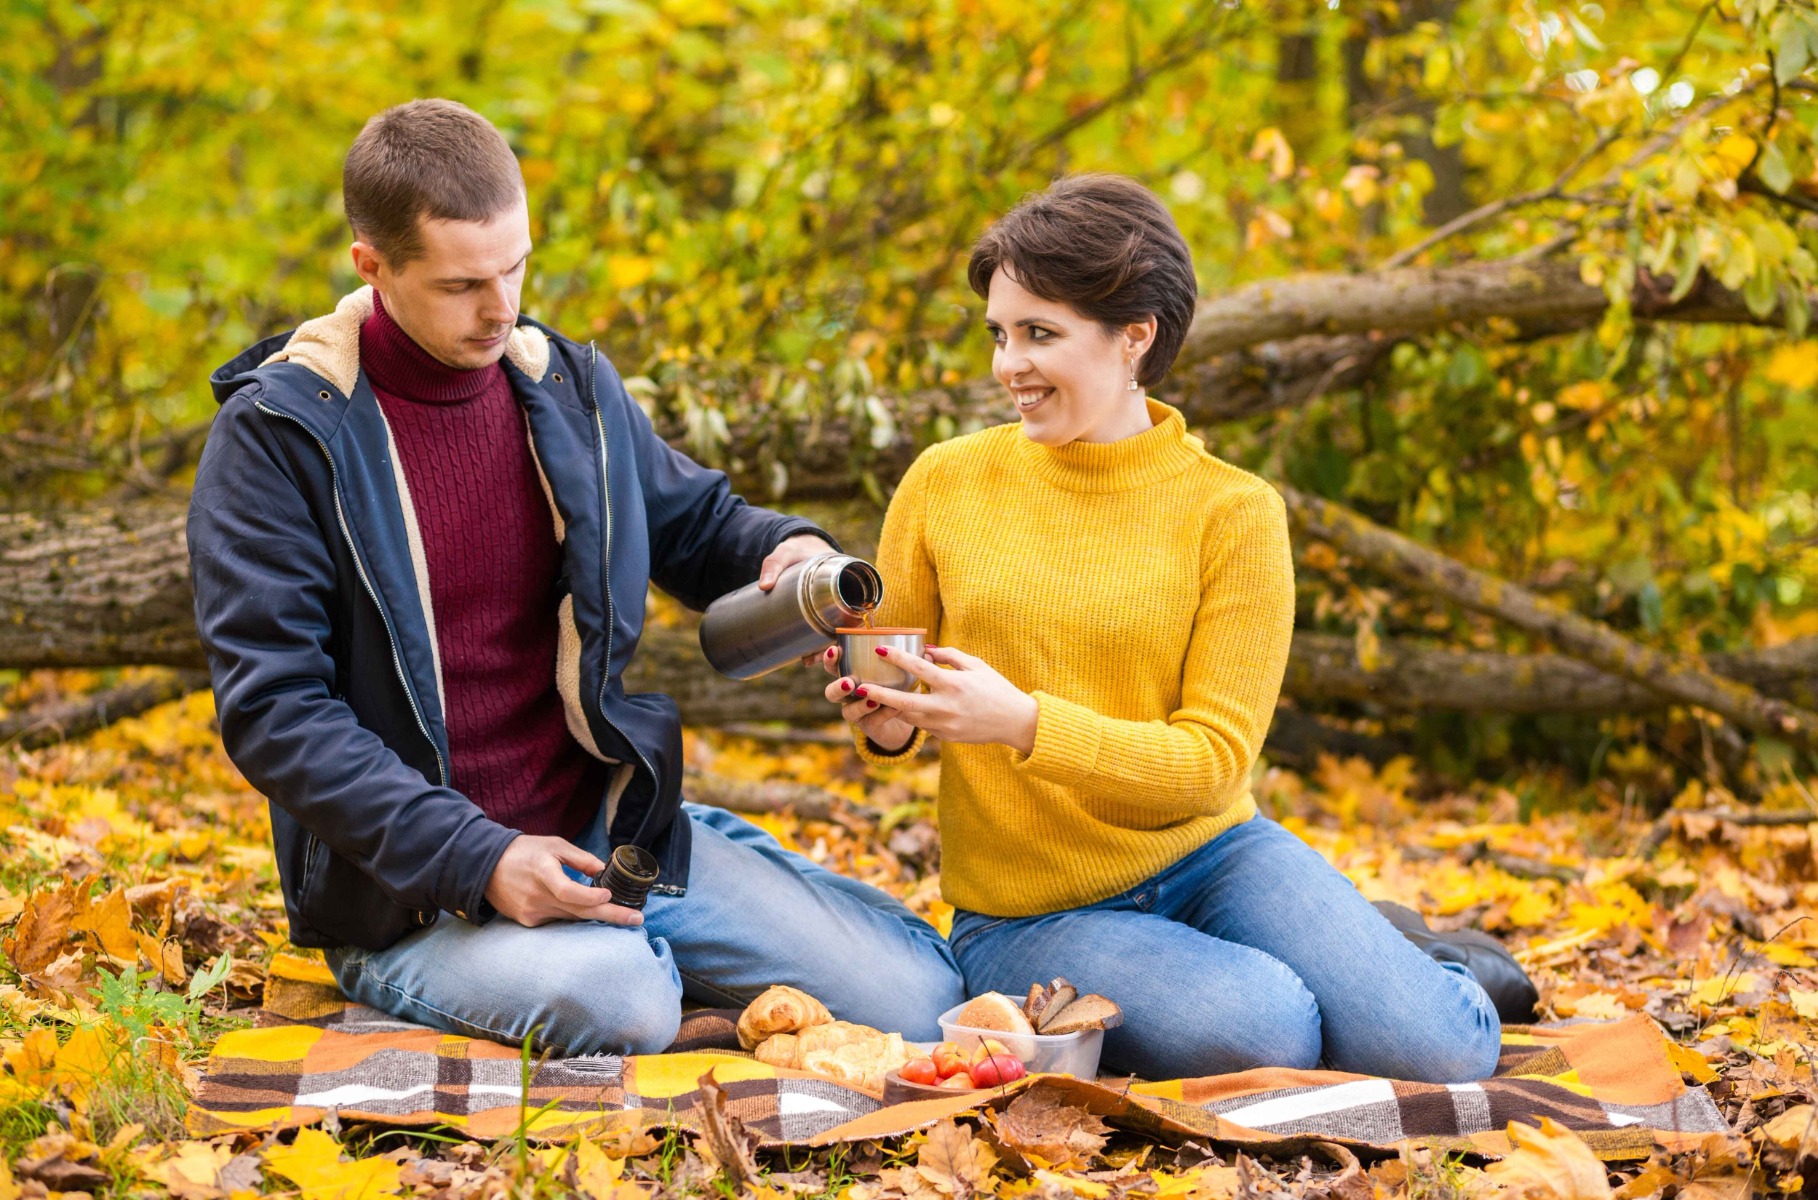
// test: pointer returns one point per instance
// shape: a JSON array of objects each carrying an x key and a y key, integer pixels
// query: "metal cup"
[{"x": 859, "y": 659}]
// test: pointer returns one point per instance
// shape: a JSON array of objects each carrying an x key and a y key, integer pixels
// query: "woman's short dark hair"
[{"x": 1106, "y": 246}]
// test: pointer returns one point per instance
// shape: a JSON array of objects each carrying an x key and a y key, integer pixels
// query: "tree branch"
[{"x": 1416, "y": 566}]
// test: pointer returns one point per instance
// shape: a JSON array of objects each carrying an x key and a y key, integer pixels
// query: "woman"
[{"x": 1122, "y": 602}]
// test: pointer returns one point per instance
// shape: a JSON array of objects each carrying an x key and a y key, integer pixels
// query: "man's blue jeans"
[
  {"x": 755, "y": 914},
  {"x": 1252, "y": 951}
]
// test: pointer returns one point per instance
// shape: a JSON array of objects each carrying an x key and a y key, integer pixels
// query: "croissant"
[
  {"x": 834, "y": 1035},
  {"x": 780, "y": 1050},
  {"x": 779, "y": 1010},
  {"x": 861, "y": 1064}
]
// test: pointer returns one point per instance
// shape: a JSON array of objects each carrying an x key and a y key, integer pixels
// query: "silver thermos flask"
[{"x": 748, "y": 632}]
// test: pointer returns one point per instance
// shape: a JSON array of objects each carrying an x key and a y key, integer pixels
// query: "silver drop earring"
[{"x": 1134, "y": 386}]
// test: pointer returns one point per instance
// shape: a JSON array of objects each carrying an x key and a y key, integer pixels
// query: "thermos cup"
[
  {"x": 748, "y": 632},
  {"x": 859, "y": 659}
]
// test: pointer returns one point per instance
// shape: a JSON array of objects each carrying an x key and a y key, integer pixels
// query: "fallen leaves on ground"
[{"x": 140, "y": 917}]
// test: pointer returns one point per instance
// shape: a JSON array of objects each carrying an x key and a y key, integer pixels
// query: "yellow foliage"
[
  {"x": 1550, "y": 1162},
  {"x": 1794, "y": 364},
  {"x": 313, "y": 1162}
]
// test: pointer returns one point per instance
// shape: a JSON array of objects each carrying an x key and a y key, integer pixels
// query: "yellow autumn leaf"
[
  {"x": 1783, "y": 955},
  {"x": 110, "y": 919},
  {"x": 197, "y": 1163},
  {"x": 1599, "y": 1006},
  {"x": 1270, "y": 144},
  {"x": 1361, "y": 184},
  {"x": 1720, "y": 989},
  {"x": 1585, "y": 394},
  {"x": 1804, "y": 1003},
  {"x": 628, "y": 270},
  {"x": 594, "y": 1170},
  {"x": 1533, "y": 908},
  {"x": 1794, "y": 365},
  {"x": 1689, "y": 1062},
  {"x": 313, "y": 1163},
  {"x": 83, "y": 1062},
  {"x": 1734, "y": 153},
  {"x": 1551, "y": 1162}
]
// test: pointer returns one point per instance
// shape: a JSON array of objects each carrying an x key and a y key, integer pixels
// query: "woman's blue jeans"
[
  {"x": 755, "y": 914},
  {"x": 1252, "y": 951}
]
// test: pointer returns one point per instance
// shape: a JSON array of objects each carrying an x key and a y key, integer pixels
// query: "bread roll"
[
  {"x": 779, "y": 1010},
  {"x": 994, "y": 1010}
]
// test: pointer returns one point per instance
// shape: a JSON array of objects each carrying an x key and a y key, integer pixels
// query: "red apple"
[
  {"x": 948, "y": 1058},
  {"x": 959, "y": 1081},
  {"x": 920, "y": 1070},
  {"x": 998, "y": 1068}
]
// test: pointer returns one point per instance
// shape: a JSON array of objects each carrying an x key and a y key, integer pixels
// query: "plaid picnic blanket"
[{"x": 1615, "y": 1083}]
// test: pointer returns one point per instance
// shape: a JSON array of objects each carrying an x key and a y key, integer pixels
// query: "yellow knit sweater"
[{"x": 1143, "y": 591}]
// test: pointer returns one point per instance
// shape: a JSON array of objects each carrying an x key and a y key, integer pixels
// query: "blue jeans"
[
  {"x": 755, "y": 915},
  {"x": 1251, "y": 951}
]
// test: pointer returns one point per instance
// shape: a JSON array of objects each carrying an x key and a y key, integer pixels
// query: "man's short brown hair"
[
  {"x": 432, "y": 159},
  {"x": 1105, "y": 246}
]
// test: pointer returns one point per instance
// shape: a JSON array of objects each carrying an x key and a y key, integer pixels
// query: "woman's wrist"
[
  {"x": 883, "y": 744},
  {"x": 1022, "y": 734}
]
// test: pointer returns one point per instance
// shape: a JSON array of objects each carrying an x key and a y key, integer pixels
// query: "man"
[{"x": 421, "y": 536}]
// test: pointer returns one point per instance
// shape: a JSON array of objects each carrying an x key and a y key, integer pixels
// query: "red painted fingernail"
[
  {"x": 882, "y": 653},
  {"x": 860, "y": 693},
  {"x": 845, "y": 685},
  {"x": 871, "y": 704}
]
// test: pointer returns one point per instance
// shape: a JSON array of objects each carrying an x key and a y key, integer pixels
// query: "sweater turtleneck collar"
[
  {"x": 395, "y": 364},
  {"x": 1158, "y": 453}
]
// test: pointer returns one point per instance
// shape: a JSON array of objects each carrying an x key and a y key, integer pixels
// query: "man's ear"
[{"x": 368, "y": 262}]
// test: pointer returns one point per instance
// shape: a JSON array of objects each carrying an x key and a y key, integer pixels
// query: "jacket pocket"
[{"x": 344, "y": 906}]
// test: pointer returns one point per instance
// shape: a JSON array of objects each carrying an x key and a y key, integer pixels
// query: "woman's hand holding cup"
[
  {"x": 964, "y": 699},
  {"x": 852, "y": 690}
]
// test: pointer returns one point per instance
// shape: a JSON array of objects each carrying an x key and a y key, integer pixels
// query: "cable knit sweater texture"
[
  {"x": 1143, "y": 591},
  {"x": 493, "y": 561}
]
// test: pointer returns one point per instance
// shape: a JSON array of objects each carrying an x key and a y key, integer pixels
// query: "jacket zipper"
[
  {"x": 397, "y": 660},
  {"x": 599, "y": 422}
]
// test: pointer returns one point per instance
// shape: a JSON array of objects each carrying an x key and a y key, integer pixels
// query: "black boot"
[{"x": 1482, "y": 955}]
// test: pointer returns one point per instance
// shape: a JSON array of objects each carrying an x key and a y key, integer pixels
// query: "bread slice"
[
  {"x": 995, "y": 1011},
  {"x": 1032, "y": 1006},
  {"x": 1091, "y": 1011},
  {"x": 1059, "y": 995}
]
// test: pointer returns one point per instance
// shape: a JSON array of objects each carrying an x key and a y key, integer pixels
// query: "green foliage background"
[{"x": 766, "y": 206}]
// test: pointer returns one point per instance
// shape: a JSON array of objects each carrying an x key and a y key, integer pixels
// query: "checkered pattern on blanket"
[{"x": 1614, "y": 1083}]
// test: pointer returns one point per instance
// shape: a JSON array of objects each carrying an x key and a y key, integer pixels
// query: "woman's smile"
[{"x": 1028, "y": 397}]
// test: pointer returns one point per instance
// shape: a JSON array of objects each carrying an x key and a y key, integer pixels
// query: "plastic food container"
[{"x": 1073, "y": 1054}]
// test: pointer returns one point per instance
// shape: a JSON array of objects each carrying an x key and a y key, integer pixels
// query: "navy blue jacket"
[{"x": 312, "y": 602}]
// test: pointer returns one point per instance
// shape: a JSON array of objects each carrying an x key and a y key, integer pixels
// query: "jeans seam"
[
  {"x": 955, "y": 943},
  {"x": 706, "y": 986}
]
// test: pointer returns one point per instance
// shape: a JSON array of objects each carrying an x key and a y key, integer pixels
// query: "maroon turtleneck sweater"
[{"x": 493, "y": 562}]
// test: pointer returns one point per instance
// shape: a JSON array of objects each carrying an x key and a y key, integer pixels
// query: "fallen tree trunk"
[
  {"x": 1408, "y": 562},
  {"x": 73, "y": 717},
  {"x": 1547, "y": 292},
  {"x": 773, "y": 796},
  {"x": 823, "y": 458},
  {"x": 107, "y": 589},
  {"x": 1259, "y": 348},
  {"x": 1412, "y": 678},
  {"x": 104, "y": 588}
]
